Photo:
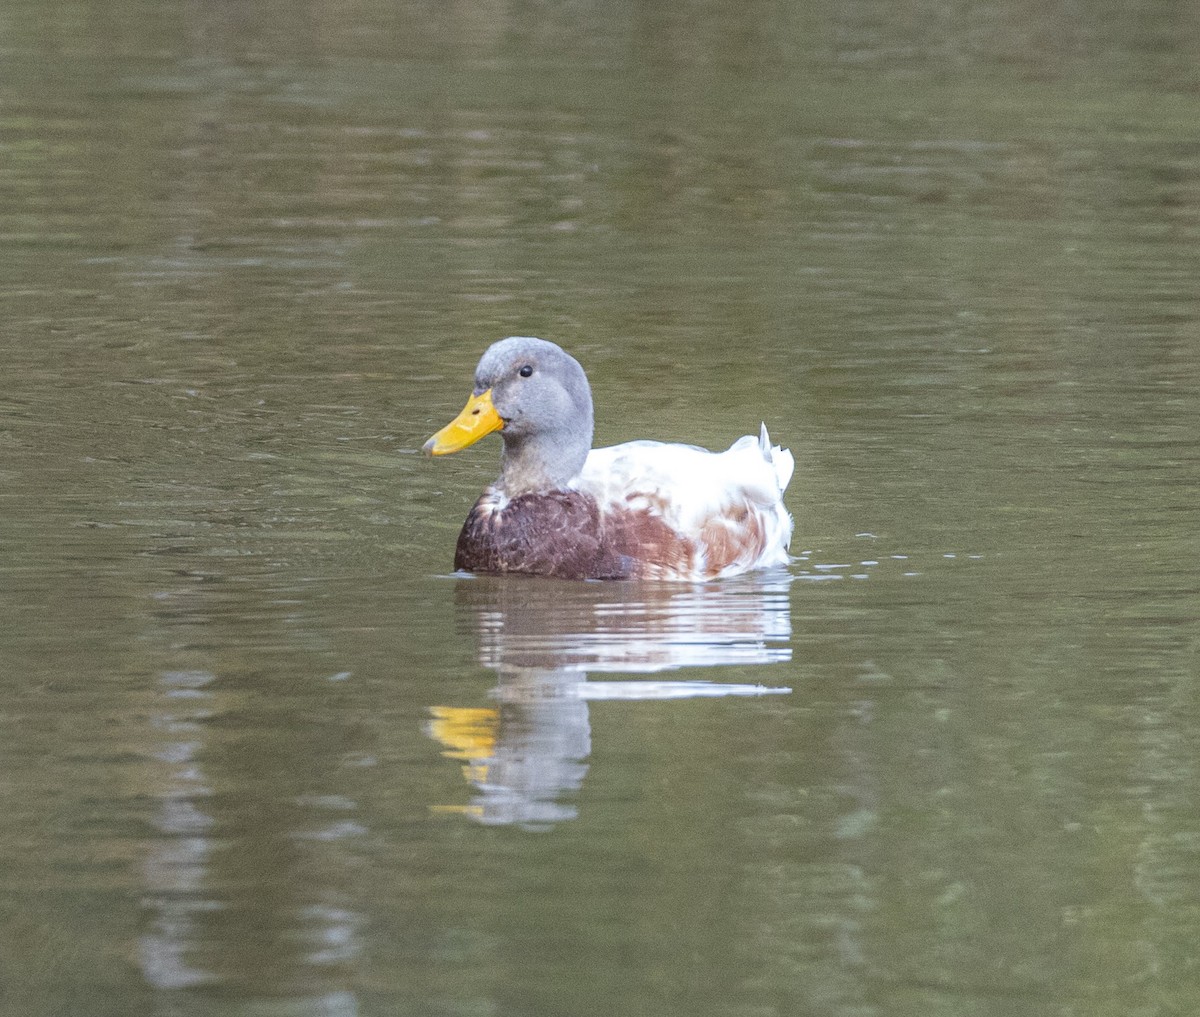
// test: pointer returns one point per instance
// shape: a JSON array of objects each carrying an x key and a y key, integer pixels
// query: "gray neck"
[{"x": 548, "y": 461}]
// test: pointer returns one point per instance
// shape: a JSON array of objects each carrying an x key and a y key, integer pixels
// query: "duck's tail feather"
[{"x": 778, "y": 457}]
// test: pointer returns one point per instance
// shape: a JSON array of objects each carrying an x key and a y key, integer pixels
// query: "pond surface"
[{"x": 262, "y": 754}]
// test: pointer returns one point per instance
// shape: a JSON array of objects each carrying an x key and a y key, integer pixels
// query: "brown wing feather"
[
  {"x": 733, "y": 535},
  {"x": 643, "y": 536}
]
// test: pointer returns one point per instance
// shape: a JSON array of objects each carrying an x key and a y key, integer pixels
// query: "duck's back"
[{"x": 723, "y": 511}]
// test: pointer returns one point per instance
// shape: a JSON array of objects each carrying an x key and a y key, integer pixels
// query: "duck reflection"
[{"x": 526, "y": 754}]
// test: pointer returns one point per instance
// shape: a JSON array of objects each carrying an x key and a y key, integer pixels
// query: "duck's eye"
[{"x": 526, "y": 371}]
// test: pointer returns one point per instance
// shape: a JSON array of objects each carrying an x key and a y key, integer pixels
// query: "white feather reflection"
[
  {"x": 525, "y": 755},
  {"x": 174, "y": 872}
]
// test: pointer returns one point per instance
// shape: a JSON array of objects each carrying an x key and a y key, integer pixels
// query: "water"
[{"x": 260, "y": 753}]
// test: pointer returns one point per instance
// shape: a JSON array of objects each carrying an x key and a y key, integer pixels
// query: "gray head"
[{"x": 544, "y": 403}]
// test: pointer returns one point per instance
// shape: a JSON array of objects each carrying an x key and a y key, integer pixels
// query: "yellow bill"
[{"x": 478, "y": 418}]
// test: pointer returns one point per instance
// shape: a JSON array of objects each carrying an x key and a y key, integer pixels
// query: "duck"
[{"x": 641, "y": 510}]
